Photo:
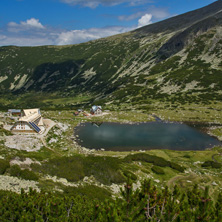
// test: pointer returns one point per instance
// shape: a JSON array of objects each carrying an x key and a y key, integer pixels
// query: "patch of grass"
[
  {"x": 47, "y": 101},
  {"x": 217, "y": 132}
]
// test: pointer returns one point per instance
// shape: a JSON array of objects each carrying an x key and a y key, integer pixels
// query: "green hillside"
[{"x": 176, "y": 60}]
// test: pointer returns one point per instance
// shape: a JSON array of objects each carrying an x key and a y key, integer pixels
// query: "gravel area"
[
  {"x": 23, "y": 142},
  {"x": 14, "y": 184}
]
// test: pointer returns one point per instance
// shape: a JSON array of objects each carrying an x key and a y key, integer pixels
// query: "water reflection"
[
  {"x": 97, "y": 124},
  {"x": 153, "y": 135}
]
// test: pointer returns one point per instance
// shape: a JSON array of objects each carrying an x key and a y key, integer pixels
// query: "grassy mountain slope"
[{"x": 176, "y": 60}]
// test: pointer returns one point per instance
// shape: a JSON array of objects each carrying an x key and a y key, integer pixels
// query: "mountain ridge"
[
  {"x": 188, "y": 18},
  {"x": 182, "y": 64}
]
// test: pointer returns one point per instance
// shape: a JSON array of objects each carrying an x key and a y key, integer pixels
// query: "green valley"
[{"x": 171, "y": 69}]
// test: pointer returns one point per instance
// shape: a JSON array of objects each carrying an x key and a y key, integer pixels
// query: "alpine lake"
[{"x": 143, "y": 136}]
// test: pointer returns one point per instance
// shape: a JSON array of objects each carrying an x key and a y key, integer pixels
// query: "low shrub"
[
  {"x": 130, "y": 175},
  {"x": 157, "y": 170},
  {"x": 158, "y": 161},
  {"x": 187, "y": 156},
  {"x": 207, "y": 163},
  {"x": 216, "y": 165},
  {"x": 4, "y": 165},
  {"x": 15, "y": 171},
  {"x": 106, "y": 170},
  {"x": 26, "y": 174},
  {"x": 155, "y": 160},
  {"x": 89, "y": 191},
  {"x": 210, "y": 163},
  {"x": 177, "y": 167}
]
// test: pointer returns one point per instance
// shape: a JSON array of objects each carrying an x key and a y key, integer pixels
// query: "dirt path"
[{"x": 48, "y": 124}]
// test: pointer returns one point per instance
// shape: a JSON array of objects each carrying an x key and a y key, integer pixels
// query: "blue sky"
[{"x": 61, "y": 22}]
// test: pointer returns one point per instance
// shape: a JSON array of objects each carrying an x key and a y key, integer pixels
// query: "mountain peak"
[{"x": 182, "y": 21}]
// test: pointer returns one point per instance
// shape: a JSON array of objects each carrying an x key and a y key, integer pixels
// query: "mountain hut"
[
  {"x": 96, "y": 110},
  {"x": 31, "y": 121}
]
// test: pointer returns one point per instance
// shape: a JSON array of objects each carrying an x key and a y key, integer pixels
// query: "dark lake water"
[{"x": 143, "y": 136}]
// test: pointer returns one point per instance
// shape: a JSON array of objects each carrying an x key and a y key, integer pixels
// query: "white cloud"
[
  {"x": 25, "y": 40},
  {"x": 95, "y": 3},
  {"x": 157, "y": 14},
  {"x": 140, "y": 2},
  {"x": 33, "y": 33},
  {"x": 25, "y": 25},
  {"x": 130, "y": 17},
  {"x": 33, "y": 23},
  {"x": 27, "y": 33},
  {"x": 74, "y": 36},
  {"x": 78, "y": 36},
  {"x": 145, "y": 20}
]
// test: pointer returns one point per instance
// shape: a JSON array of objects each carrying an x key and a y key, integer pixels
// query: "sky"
[{"x": 62, "y": 22}]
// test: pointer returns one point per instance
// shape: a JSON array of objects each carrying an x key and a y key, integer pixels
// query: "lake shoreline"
[{"x": 198, "y": 126}]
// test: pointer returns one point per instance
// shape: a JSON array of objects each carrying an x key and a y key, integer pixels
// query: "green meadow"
[{"x": 68, "y": 168}]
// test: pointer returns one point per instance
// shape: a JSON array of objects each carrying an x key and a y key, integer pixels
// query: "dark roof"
[{"x": 14, "y": 110}]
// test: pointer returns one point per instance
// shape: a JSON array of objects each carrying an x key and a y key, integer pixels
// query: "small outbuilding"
[
  {"x": 14, "y": 112},
  {"x": 31, "y": 121}
]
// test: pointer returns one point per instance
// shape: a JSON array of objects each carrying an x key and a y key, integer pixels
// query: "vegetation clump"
[
  {"x": 4, "y": 165},
  {"x": 158, "y": 161},
  {"x": 5, "y": 132},
  {"x": 130, "y": 175},
  {"x": 157, "y": 170},
  {"x": 147, "y": 204},
  {"x": 187, "y": 156},
  {"x": 213, "y": 164},
  {"x": 155, "y": 160},
  {"x": 177, "y": 167},
  {"x": 105, "y": 169},
  {"x": 88, "y": 191},
  {"x": 25, "y": 174}
]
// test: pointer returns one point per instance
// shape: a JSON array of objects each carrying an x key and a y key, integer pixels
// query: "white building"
[
  {"x": 96, "y": 110},
  {"x": 30, "y": 122}
]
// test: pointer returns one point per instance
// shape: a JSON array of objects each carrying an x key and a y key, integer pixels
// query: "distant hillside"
[{"x": 179, "y": 59}]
